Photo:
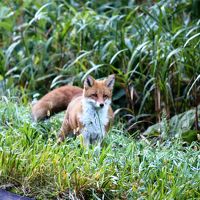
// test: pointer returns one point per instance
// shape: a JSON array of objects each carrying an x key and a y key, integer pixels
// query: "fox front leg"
[
  {"x": 64, "y": 131},
  {"x": 86, "y": 141}
]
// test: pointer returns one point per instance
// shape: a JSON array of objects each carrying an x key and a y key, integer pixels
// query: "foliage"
[
  {"x": 153, "y": 48},
  {"x": 32, "y": 164},
  {"x": 178, "y": 126}
]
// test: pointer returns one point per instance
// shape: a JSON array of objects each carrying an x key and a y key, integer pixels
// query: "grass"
[
  {"x": 152, "y": 47},
  {"x": 34, "y": 165}
]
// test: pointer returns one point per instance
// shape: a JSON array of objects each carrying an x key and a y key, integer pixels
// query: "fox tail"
[{"x": 55, "y": 101}]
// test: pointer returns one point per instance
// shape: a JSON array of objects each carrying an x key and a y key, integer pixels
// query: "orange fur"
[
  {"x": 88, "y": 110},
  {"x": 55, "y": 101},
  {"x": 96, "y": 92}
]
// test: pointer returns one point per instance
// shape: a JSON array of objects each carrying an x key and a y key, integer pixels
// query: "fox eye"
[
  {"x": 94, "y": 95},
  {"x": 105, "y": 96}
]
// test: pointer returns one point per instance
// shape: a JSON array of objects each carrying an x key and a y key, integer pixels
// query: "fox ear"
[
  {"x": 88, "y": 82},
  {"x": 110, "y": 81}
]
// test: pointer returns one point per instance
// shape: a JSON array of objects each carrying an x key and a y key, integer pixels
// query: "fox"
[
  {"x": 88, "y": 110},
  {"x": 54, "y": 102}
]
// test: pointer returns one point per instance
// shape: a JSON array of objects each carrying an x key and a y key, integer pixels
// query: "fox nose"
[{"x": 101, "y": 105}]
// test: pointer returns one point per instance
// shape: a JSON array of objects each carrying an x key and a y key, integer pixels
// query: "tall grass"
[
  {"x": 32, "y": 164},
  {"x": 153, "y": 48}
]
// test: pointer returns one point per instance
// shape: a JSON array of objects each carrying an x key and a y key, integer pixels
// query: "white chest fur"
[{"x": 94, "y": 122}]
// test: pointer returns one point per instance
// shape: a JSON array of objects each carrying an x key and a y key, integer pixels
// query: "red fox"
[
  {"x": 88, "y": 111},
  {"x": 55, "y": 101}
]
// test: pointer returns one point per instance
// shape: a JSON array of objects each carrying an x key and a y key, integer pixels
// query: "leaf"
[
  {"x": 9, "y": 72},
  {"x": 94, "y": 67},
  {"x": 190, "y": 136},
  {"x": 1, "y": 77},
  {"x": 5, "y": 12},
  {"x": 7, "y": 26},
  {"x": 147, "y": 94},
  {"x": 175, "y": 51},
  {"x": 85, "y": 53},
  {"x": 191, "y": 38},
  {"x": 198, "y": 77},
  {"x": 45, "y": 77},
  {"x": 11, "y": 49},
  {"x": 192, "y": 30},
  {"x": 179, "y": 124},
  {"x": 134, "y": 54},
  {"x": 113, "y": 58},
  {"x": 39, "y": 15},
  {"x": 120, "y": 93}
]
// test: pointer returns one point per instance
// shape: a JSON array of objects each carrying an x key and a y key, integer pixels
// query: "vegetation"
[
  {"x": 153, "y": 47},
  {"x": 34, "y": 165}
]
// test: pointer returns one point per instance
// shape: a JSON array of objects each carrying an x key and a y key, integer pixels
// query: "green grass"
[
  {"x": 153, "y": 48},
  {"x": 32, "y": 162}
]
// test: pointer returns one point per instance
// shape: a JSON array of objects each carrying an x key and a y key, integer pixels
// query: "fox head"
[{"x": 98, "y": 92}]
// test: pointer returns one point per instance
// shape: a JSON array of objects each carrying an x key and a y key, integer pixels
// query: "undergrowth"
[{"x": 32, "y": 164}]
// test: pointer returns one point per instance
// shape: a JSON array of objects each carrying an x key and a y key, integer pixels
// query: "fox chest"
[{"x": 94, "y": 123}]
